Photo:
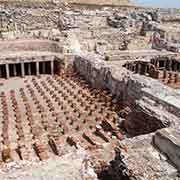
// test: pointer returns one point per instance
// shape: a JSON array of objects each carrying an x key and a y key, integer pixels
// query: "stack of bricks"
[
  {"x": 41, "y": 151},
  {"x": 18, "y": 119},
  {"x": 170, "y": 77},
  {"x": 6, "y": 151}
]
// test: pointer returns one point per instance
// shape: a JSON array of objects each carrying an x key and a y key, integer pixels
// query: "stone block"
[{"x": 168, "y": 141}]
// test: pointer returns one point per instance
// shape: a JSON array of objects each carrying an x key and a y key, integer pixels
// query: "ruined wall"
[
  {"x": 153, "y": 105},
  {"x": 88, "y": 26},
  {"x": 102, "y": 2},
  {"x": 25, "y": 16},
  {"x": 31, "y": 45},
  {"x": 91, "y": 29}
]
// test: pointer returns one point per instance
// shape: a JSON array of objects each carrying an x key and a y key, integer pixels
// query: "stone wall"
[
  {"x": 31, "y": 45},
  {"x": 102, "y": 2}
]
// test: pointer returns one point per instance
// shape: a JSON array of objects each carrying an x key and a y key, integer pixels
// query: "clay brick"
[
  {"x": 118, "y": 135},
  {"x": 107, "y": 125},
  {"x": 72, "y": 141},
  {"x": 53, "y": 145},
  {"x": 6, "y": 155},
  {"x": 43, "y": 156},
  {"x": 101, "y": 134},
  {"x": 65, "y": 127},
  {"x": 88, "y": 137},
  {"x": 24, "y": 154},
  {"x": 41, "y": 151}
]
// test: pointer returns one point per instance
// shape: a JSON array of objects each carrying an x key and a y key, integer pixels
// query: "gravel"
[{"x": 72, "y": 166}]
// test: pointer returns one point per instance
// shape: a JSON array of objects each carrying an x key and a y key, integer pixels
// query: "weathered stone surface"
[
  {"x": 137, "y": 159},
  {"x": 168, "y": 141}
]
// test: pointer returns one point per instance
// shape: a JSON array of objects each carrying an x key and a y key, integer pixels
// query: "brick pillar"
[
  {"x": 14, "y": 70},
  {"x": 37, "y": 68},
  {"x": 155, "y": 62},
  {"x": 29, "y": 69},
  {"x": 22, "y": 69},
  {"x": 165, "y": 64},
  {"x": 134, "y": 67},
  {"x": 44, "y": 67},
  {"x": 176, "y": 80},
  {"x": 170, "y": 65},
  {"x": 7, "y": 71},
  {"x": 145, "y": 69},
  {"x": 139, "y": 68},
  {"x": 164, "y": 74},
  {"x": 170, "y": 79},
  {"x": 128, "y": 66},
  {"x": 156, "y": 74},
  {"x": 52, "y": 67},
  {"x": 175, "y": 66},
  {"x": 157, "y": 65}
]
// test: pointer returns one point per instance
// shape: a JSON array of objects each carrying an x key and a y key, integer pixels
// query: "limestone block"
[{"x": 168, "y": 141}]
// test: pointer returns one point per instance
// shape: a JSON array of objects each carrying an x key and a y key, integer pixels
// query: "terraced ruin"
[{"x": 89, "y": 90}]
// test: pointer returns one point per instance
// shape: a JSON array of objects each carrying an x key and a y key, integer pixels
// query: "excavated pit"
[
  {"x": 41, "y": 114},
  {"x": 47, "y": 108}
]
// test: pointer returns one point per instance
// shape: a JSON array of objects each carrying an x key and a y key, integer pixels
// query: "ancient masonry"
[{"x": 102, "y": 76}]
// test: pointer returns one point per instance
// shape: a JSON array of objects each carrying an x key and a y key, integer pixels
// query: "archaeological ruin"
[{"x": 89, "y": 90}]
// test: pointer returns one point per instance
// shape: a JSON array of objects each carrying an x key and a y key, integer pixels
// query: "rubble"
[
  {"x": 136, "y": 158},
  {"x": 74, "y": 165}
]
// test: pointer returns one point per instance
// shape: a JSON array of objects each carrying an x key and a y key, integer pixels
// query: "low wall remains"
[{"x": 31, "y": 45}]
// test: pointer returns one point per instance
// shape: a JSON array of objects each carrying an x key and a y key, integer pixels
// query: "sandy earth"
[{"x": 69, "y": 167}]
